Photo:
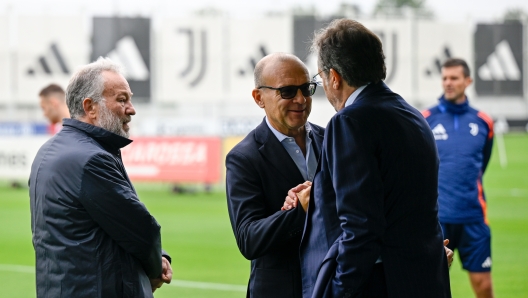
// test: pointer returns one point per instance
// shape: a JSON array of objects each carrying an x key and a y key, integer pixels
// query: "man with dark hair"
[
  {"x": 372, "y": 226},
  {"x": 464, "y": 68},
  {"x": 278, "y": 154},
  {"x": 53, "y": 105},
  {"x": 92, "y": 236},
  {"x": 464, "y": 138}
]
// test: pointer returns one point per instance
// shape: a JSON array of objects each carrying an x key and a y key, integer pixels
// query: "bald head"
[
  {"x": 266, "y": 66},
  {"x": 278, "y": 73}
]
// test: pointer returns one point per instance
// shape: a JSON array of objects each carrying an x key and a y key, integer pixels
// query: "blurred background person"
[
  {"x": 464, "y": 138},
  {"x": 53, "y": 105}
]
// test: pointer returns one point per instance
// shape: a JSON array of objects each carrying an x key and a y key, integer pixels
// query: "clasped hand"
[{"x": 300, "y": 193}]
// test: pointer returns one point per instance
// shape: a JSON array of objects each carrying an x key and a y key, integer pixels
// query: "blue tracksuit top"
[{"x": 464, "y": 137}]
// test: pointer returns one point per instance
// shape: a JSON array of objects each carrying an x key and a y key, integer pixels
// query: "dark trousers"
[{"x": 376, "y": 286}]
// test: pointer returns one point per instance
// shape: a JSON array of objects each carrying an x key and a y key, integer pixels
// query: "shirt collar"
[
  {"x": 354, "y": 95},
  {"x": 280, "y": 136}
]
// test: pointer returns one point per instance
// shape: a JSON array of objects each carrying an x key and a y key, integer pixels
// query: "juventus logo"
[
  {"x": 193, "y": 59},
  {"x": 473, "y": 129}
]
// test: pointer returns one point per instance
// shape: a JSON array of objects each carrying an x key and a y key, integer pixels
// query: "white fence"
[{"x": 198, "y": 70}]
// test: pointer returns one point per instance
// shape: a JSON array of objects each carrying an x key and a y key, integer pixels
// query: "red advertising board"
[{"x": 174, "y": 159}]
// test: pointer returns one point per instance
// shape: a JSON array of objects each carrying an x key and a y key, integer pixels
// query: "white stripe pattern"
[{"x": 175, "y": 282}]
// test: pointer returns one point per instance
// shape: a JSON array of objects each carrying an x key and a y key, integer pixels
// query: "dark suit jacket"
[
  {"x": 259, "y": 174},
  {"x": 375, "y": 195}
]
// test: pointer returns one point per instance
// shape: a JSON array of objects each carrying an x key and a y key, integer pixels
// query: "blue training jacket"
[{"x": 464, "y": 138}]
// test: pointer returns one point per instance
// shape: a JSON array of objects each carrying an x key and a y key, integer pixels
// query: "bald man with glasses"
[{"x": 278, "y": 154}]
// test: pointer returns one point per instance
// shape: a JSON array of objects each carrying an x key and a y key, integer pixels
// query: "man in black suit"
[
  {"x": 277, "y": 155},
  {"x": 372, "y": 227}
]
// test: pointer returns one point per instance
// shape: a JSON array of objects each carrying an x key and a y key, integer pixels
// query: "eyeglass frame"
[
  {"x": 298, "y": 87},
  {"x": 318, "y": 83}
]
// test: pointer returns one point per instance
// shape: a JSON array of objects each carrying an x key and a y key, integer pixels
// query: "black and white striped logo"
[
  {"x": 499, "y": 59},
  {"x": 127, "y": 54},
  {"x": 500, "y": 65},
  {"x": 50, "y": 63},
  {"x": 127, "y": 42}
]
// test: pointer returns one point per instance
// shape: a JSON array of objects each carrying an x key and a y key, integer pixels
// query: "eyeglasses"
[
  {"x": 317, "y": 79},
  {"x": 289, "y": 92}
]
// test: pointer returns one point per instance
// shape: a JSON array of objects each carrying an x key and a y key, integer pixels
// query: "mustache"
[{"x": 126, "y": 118}]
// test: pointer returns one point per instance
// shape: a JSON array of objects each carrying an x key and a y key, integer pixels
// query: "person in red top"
[{"x": 53, "y": 104}]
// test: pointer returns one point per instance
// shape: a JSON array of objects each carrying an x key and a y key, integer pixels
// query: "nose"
[{"x": 130, "y": 110}]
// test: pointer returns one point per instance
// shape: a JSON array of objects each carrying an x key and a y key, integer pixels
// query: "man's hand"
[
  {"x": 304, "y": 197},
  {"x": 449, "y": 253},
  {"x": 165, "y": 277},
  {"x": 155, "y": 283},
  {"x": 292, "y": 198}
]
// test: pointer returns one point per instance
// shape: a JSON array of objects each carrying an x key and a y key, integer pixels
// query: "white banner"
[
  {"x": 4, "y": 60},
  {"x": 249, "y": 41},
  {"x": 397, "y": 47},
  {"x": 212, "y": 59},
  {"x": 436, "y": 43},
  {"x": 190, "y": 60},
  {"x": 16, "y": 156},
  {"x": 49, "y": 51}
]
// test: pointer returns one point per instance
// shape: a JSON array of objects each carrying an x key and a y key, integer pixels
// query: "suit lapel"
[
  {"x": 274, "y": 153},
  {"x": 318, "y": 144}
]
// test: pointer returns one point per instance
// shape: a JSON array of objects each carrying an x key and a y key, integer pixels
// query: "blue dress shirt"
[
  {"x": 354, "y": 95},
  {"x": 306, "y": 165}
]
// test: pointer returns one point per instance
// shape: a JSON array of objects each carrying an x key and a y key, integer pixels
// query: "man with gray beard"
[{"x": 92, "y": 236}]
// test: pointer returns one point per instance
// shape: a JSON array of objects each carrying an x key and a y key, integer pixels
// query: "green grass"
[
  {"x": 507, "y": 199},
  {"x": 197, "y": 233}
]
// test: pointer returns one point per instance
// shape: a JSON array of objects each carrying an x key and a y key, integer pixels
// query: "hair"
[
  {"x": 52, "y": 89},
  {"x": 257, "y": 74},
  {"x": 274, "y": 57},
  {"x": 352, "y": 50},
  {"x": 88, "y": 82},
  {"x": 452, "y": 62}
]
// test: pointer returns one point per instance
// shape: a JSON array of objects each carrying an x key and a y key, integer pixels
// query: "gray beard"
[{"x": 111, "y": 122}]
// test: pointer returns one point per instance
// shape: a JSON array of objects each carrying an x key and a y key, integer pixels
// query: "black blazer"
[
  {"x": 92, "y": 235},
  {"x": 375, "y": 194},
  {"x": 259, "y": 174}
]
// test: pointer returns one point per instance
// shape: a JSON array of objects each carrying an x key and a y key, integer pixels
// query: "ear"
[
  {"x": 54, "y": 102},
  {"x": 335, "y": 79},
  {"x": 468, "y": 80},
  {"x": 258, "y": 98},
  {"x": 90, "y": 108}
]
